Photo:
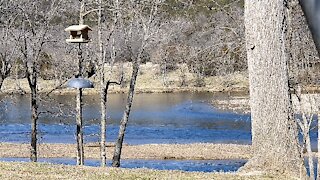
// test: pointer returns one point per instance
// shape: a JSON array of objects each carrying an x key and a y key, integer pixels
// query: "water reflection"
[
  {"x": 183, "y": 165},
  {"x": 155, "y": 118}
]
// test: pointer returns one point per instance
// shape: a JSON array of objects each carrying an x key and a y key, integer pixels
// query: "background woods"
[{"x": 206, "y": 36}]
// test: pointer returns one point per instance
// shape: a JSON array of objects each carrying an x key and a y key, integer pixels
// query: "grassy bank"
[
  {"x": 150, "y": 80},
  {"x": 16, "y": 170},
  {"x": 48, "y": 171}
]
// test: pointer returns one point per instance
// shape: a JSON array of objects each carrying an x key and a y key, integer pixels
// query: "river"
[{"x": 155, "y": 118}]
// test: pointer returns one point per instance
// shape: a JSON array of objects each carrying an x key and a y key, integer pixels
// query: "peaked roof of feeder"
[{"x": 78, "y": 28}]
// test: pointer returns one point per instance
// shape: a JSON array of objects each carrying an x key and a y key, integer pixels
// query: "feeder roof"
[{"x": 78, "y": 28}]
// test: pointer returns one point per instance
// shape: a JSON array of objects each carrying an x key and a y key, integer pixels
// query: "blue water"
[
  {"x": 183, "y": 165},
  {"x": 155, "y": 118}
]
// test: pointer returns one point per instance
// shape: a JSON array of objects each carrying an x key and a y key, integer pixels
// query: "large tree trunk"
[
  {"x": 117, "y": 151},
  {"x": 274, "y": 130}
]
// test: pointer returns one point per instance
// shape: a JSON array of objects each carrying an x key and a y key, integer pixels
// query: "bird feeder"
[
  {"x": 79, "y": 84},
  {"x": 78, "y": 33}
]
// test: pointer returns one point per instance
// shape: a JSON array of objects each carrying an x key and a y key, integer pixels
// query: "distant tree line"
[{"x": 206, "y": 35}]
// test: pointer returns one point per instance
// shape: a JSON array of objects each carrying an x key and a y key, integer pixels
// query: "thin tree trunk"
[
  {"x": 117, "y": 151},
  {"x": 103, "y": 101},
  {"x": 164, "y": 74},
  {"x": 34, "y": 119},
  {"x": 103, "y": 92},
  {"x": 310, "y": 156},
  {"x": 79, "y": 133},
  {"x": 122, "y": 74},
  {"x": 103, "y": 107},
  {"x": 274, "y": 130},
  {"x": 1, "y": 81},
  {"x": 82, "y": 11}
]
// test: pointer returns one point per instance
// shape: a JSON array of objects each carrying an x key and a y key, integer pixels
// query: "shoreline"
[
  {"x": 196, "y": 151},
  {"x": 29, "y": 170},
  {"x": 149, "y": 81},
  {"x": 96, "y": 91},
  {"x": 16, "y": 170}
]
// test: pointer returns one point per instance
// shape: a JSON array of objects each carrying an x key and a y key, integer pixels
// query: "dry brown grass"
[
  {"x": 203, "y": 151},
  {"x": 16, "y": 170},
  {"x": 37, "y": 171},
  {"x": 149, "y": 80}
]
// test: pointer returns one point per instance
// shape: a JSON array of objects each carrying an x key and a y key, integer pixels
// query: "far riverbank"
[{"x": 150, "y": 80}]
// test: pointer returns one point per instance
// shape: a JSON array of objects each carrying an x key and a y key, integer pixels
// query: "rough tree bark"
[
  {"x": 105, "y": 77},
  {"x": 32, "y": 43},
  {"x": 124, "y": 121},
  {"x": 34, "y": 116},
  {"x": 274, "y": 131},
  {"x": 145, "y": 25},
  {"x": 79, "y": 129},
  {"x": 103, "y": 92},
  {"x": 103, "y": 104},
  {"x": 80, "y": 149},
  {"x": 32, "y": 67}
]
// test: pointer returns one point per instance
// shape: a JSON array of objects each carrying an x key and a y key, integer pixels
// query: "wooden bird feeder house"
[{"x": 78, "y": 33}]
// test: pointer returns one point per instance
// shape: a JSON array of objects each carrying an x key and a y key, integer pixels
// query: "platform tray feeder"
[{"x": 78, "y": 34}]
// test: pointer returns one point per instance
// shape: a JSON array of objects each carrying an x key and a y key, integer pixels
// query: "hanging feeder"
[{"x": 79, "y": 83}]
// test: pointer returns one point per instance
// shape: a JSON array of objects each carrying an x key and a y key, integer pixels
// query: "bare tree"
[
  {"x": 274, "y": 130},
  {"x": 303, "y": 74},
  {"x": 142, "y": 26},
  {"x": 8, "y": 34},
  {"x": 103, "y": 92},
  {"x": 306, "y": 110},
  {"x": 105, "y": 77},
  {"x": 209, "y": 42},
  {"x": 35, "y": 25}
]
